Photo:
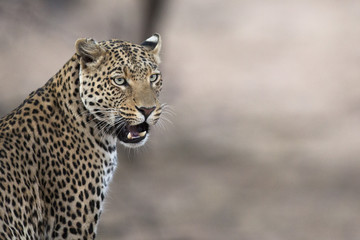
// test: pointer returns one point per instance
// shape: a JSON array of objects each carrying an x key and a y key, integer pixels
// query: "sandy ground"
[{"x": 264, "y": 139}]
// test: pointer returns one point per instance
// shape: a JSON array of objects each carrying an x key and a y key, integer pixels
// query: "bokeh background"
[{"x": 263, "y": 140}]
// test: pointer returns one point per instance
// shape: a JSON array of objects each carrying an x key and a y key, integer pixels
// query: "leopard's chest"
[{"x": 109, "y": 167}]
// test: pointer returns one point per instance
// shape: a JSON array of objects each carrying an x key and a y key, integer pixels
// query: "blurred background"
[{"x": 264, "y": 140}]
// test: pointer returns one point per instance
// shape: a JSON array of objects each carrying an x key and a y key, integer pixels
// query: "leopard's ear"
[
  {"x": 153, "y": 45},
  {"x": 90, "y": 51}
]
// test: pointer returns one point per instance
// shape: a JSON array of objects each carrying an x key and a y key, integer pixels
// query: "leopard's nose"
[{"x": 146, "y": 111}]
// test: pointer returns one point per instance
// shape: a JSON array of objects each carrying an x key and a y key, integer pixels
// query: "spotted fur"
[{"x": 58, "y": 148}]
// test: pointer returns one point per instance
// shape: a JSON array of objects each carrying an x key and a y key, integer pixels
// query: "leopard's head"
[{"x": 120, "y": 84}]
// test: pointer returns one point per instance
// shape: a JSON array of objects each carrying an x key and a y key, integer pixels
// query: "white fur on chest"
[
  {"x": 109, "y": 170},
  {"x": 109, "y": 165}
]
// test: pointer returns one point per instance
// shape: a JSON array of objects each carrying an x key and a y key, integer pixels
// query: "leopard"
[{"x": 58, "y": 149}]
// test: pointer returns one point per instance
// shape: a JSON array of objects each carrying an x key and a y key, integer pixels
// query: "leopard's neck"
[{"x": 65, "y": 85}]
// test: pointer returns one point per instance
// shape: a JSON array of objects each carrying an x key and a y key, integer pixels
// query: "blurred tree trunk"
[{"x": 152, "y": 14}]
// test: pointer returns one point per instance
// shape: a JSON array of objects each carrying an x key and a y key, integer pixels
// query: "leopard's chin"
[{"x": 134, "y": 135}]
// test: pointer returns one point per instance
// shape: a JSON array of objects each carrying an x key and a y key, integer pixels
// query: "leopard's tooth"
[
  {"x": 142, "y": 134},
  {"x": 129, "y": 136}
]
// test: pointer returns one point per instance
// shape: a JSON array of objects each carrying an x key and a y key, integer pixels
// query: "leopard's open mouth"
[{"x": 133, "y": 134}]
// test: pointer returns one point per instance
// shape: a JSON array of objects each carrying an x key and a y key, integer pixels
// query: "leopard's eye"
[
  {"x": 120, "y": 81},
  {"x": 154, "y": 77}
]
